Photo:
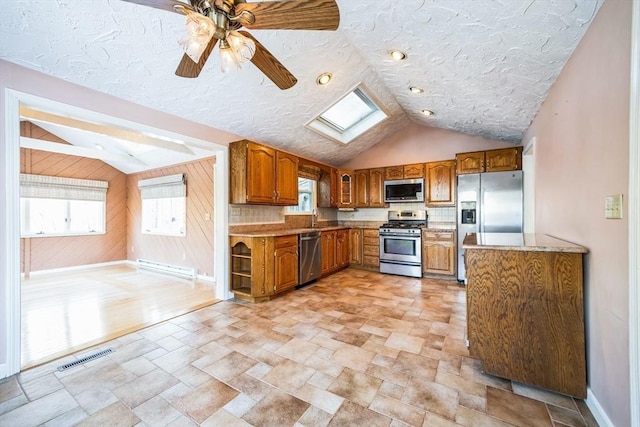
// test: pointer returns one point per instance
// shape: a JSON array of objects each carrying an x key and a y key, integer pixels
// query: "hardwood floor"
[{"x": 65, "y": 312}]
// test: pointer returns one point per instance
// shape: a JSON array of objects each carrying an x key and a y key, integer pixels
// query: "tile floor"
[{"x": 356, "y": 348}]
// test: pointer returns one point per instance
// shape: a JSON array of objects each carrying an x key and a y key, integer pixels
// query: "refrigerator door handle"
[{"x": 481, "y": 209}]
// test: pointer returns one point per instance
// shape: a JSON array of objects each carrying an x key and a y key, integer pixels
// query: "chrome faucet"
[{"x": 314, "y": 217}]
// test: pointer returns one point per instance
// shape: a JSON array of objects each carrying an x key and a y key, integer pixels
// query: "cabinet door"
[
  {"x": 355, "y": 246},
  {"x": 335, "y": 188},
  {"x": 261, "y": 178},
  {"x": 376, "y": 188},
  {"x": 285, "y": 267},
  {"x": 506, "y": 159},
  {"x": 470, "y": 162},
  {"x": 345, "y": 182},
  {"x": 361, "y": 196},
  {"x": 438, "y": 258},
  {"x": 441, "y": 183},
  {"x": 286, "y": 179},
  {"x": 328, "y": 240},
  {"x": 414, "y": 171},
  {"x": 342, "y": 248},
  {"x": 394, "y": 172}
]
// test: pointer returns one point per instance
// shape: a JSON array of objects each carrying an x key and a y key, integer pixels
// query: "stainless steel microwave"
[{"x": 404, "y": 190}]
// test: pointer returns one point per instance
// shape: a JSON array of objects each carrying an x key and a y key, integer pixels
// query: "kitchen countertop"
[
  {"x": 520, "y": 242},
  {"x": 286, "y": 232}
]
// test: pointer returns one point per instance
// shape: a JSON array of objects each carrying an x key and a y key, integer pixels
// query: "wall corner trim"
[{"x": 596, "y": 410}]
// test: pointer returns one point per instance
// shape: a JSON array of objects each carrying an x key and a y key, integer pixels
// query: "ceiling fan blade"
[
  {"x": 188, "y": 68},
  {"x": 291, "y": 15},
  {"x": 161, "y": 4},
  {"x": 270, "y": 66}
]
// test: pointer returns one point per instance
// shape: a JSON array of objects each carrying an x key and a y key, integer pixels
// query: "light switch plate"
[{"x": 613, "y": 207}]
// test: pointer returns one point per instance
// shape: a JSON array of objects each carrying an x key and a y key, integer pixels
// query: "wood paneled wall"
[
  {"x": 44, "y": 253},
  {"x": 196, "y": 248}
]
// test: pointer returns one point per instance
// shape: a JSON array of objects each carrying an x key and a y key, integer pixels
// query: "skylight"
[{"x": 349, "y": 117}]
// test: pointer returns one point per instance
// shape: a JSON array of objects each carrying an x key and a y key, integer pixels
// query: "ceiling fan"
[{"x": 210, "y": 21}]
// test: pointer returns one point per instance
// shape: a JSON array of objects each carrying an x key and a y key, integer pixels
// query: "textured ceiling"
[{"x": 485, "y": 65}]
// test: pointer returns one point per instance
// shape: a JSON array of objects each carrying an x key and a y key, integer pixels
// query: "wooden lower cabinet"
[
  {"x": 355, "y": 246},
  {"x": 262, "y": 267},
  {"x": 371, "y": 248},
  {"x": 328, "y": 242},
  {"x": 335, "y": 250},
  {"x": 438, "y": 252},
  {"x": 342, "y": 248},
  {"x": 286, "y": 263}
]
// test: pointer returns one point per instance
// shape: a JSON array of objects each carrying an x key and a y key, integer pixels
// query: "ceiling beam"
[
  {"x": 102, "y": 129},
  {"x": 74, "y": 150}
]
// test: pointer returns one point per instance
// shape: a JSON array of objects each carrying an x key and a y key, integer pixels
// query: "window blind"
[
  {"x": 56, "y": 187},
  {"x": 163, "y": 187}
]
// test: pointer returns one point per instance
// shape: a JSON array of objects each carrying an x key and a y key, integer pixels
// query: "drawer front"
[
  {"x": 370, "y": 232},
  {"x": 283, "y": 241},
  {"x": 371, "y": 241},
  {"x": 371, "y": 250},
  {"x": 372, "y": 261},
  {"x": 439, "y": 236}
]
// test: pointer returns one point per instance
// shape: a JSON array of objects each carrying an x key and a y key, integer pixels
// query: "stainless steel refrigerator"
[{"x": 489, "y": 202}]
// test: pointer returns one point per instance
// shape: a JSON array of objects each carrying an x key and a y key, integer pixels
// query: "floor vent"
[
  {"x": 85, "y": 359},
  {"x": 190, "y": 272}
]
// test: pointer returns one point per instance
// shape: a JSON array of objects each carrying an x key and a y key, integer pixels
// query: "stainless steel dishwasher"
[{"x": 310, "y": 265}]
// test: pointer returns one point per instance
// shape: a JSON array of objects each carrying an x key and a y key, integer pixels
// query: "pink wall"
[
  {"x": 417, "y": 143},
  {"x": 582, "y": 157}
]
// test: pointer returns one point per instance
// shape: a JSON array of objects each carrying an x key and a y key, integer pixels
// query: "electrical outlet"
[
  {"x": 613, "y": 207},
  {"x": 131, "y": 248},
  {"x": 184, "y": 256},
  {"x": 207, "y": 216}
]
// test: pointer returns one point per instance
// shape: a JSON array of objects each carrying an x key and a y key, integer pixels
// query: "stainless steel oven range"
[{"x": 401, "y": 243}]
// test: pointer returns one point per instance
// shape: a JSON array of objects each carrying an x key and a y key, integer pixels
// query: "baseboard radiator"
[{"x": 190, "y": 272}]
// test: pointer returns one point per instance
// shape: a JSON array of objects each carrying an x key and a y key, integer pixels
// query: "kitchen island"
[{"x": 525, "y": 315}]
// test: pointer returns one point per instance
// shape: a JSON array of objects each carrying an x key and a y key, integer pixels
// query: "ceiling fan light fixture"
[
  {"x": 200, "y": 30},
  {"x": 234, "y": 50},
  {"x": 415, "y": 89},
  {"x": 428, "y": 113},
  {"x": 324, "y": 79},
  {"x": 398, "y": 55}
]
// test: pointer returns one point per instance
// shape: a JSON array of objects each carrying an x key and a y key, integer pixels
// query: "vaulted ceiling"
[{"x": 485, "y": 65}]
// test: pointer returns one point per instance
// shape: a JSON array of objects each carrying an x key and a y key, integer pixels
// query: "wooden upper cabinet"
[
  {"x": 334, "y": 193},
  {"x": 328, "y": 188},
  {"x": 394, "y": 172},
  {"x": 440, "y": 183},
  {"x": 369, "y": 188},
  {"x": 345, "y": 189},
  {"x": 503, "y": 159},
  {"x": 506, "y": 159},
  {"x": 376, "y": 188},
  {"x": 470, "y": 162},
  {"x": 262, "y": 175},
  {"x": 361, "y": 193},
  {"x": 261, "y": 179},
  {"x": 286, "y": 179},
  {"x": 414, "y": 171}
]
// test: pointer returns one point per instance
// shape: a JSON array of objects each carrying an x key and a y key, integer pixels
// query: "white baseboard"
[
  {"x": 74, "y": 268},
  {"x": 596, "y": 410},
  {"x": 209, "y": 279}
]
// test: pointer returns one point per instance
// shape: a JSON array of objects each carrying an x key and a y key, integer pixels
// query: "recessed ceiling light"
[
  {"x": 428, "y": 112},
  {"x": 398, "y": 55},
  {"x": 99, "y": 147},
  {"x": 324, "y": 79},
  {"x": 415, "y": 89}
]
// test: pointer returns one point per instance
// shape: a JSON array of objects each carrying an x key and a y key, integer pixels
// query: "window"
[
  {"x": 164, "y": 205},
  {"x": 57, "y": 206},
  {"x": 351, "y": 116},
  {"x": 306, "y": 197}
]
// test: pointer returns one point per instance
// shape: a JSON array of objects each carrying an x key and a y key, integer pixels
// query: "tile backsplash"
[
  {"x": 259, "y": 214},
  {"x": 444, "y": 214}
]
